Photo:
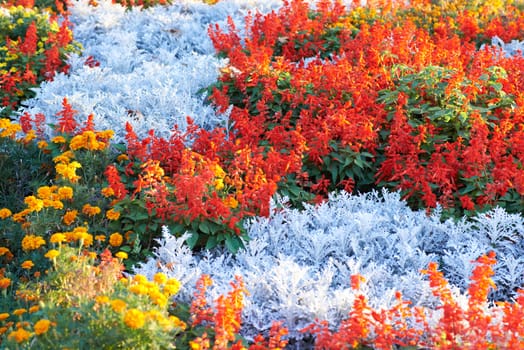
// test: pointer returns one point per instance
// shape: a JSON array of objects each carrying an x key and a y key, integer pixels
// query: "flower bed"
[{"x": 303, "y": 167}]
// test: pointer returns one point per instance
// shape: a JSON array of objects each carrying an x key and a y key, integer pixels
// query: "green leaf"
[
  {"x": 212, "y": 242},
  {"x": 233, "y": 243},
  {"x": 203, "y": 226},
  {"x": 192, "y": 240}
]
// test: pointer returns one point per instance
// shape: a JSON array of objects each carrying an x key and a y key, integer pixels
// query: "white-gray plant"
[
  {"x": 297, "y": 264},
  {"x": 153, "y": 64}
]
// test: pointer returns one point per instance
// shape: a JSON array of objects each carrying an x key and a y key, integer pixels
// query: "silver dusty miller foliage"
[
  {"x": 297, "y": 264},
  {"x": 153, "y": 62}
]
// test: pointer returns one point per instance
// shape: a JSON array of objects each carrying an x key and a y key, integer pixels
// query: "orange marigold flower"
[
  {"x": 107, "y": 192},
  {"x": 32, "y": 242},
  {"x": 116, "y": 239},
  {"x": 33, "y": 203},
  {"x": 118, "y": 305},
  {"x": 5, "y": 213},
  {"x": 100, "y": 238},
  {"x": 20, "y": 335},
  {"x": 65, "y": 192},
  {"x": 58, "y": 139},
  {"x": 112, "y": 214},
  {"x": 19, "y": 312},
  {"x": 4, "y": 251},
  {"x": 90, "y": 210},
  {"x": 34, "y": 309},
  {"x": 4, "y": 316},
  {"x": 42, "y": 326},
  {"x": 5, "y": 282},
  {"x": 42, "y": 144},
  {"x": 27, "y": 265},
  {"x": 122, "y": 158},
  {"x": 70, "y": 216}
]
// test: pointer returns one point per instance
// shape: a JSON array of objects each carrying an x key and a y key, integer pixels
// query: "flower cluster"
[
  {"x": 380, "y": 98},
  {"x": 33, "y": 48}
]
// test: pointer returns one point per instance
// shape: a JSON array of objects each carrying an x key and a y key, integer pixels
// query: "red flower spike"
[{"x": 67, "y": 123}]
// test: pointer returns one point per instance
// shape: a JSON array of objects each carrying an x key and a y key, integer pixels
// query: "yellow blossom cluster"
[
  {"x": 8, "y": 129},
  {"x": 90, "y": 140},
  {"x": 68, "y": 170},
  {"x": 32, "y": 242},
  {"x": 79, "y": 234},
  {"x": 159, "y": 290}
]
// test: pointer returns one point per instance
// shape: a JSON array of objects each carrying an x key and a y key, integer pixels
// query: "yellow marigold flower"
[
  {"x": 171, "y": 287},
  {"x": 138, "y": 289},
  {"x": 107, "y": 192},
  {"x": 19, "y": 312},
  {"x": 65, "y": 192},
  {"x": 69, "y": 217},
  {"x": 158, "y": 298},
  {"x": 121, "y": 255},
  {"x": 52, "y": 254},
  {"x": 20, "y": 335},
  {"x": 32, "y": 242},
  {"x": 218, "y": 171},
  {"x": 57, "y": 238},
  {"x": 140, "y": 279},
  {"x": 102, "y": 299},
  {"x": 64, "y": 157},
  {"x": 91, "y": 255},
  {"x": 42, "y": 326},
  {"x": 30, "y": 136},
  {"x": 112, "y": 214},
  {"x": 58, "y": 139},
  {"x": 118, "y": 305},
  {"x": 219, "y": 184},
  {"x": 42, "y": 144},
  {"x": 5, "y": 213},
  {"x": 178, "y": 322},
  {"x": 100, "y": 238},
  {"x": 33, "y": 203},
  {"x": 105, "y": 134},
  {"x": 231, "y": 202},
  {"x": 80, "y": 234},
  {"x": 5, "y": 283},
  {"x": 116, "y": 239},
  {"x": 10, "y": 130},
  {"x": 134, "y": 318},
  {"x": 160, "y": 278},
  {"x": 68, "y": 171},
  {"x": 90, "y": 210},
  {"x": 27, "y": 265},
  {"x": 4, "y": 316},
  {"x": 34, "y": 309}
]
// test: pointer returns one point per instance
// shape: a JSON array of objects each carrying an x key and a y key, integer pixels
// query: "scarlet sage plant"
[{"x": 360, "y": 91}]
